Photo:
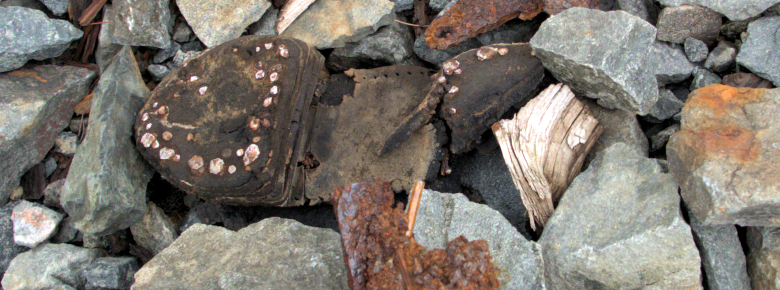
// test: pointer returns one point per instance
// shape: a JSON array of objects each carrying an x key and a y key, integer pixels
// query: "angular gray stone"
[
  {"x": 390, "y": 45},
  {"x": 721, "y": 256},
  {"x": 670, "y": 63},
  {"x": 403, "y": 5},
  {"x": 695, "y": 49},
  {"x": 58, "y": 7},
  {"x": 36, "y": 104},
  {"x": 8, "y": 249},
  {"x": 442, "y": 217},
  {"x": 34, "y": 223},
  {"x": 30, "y": 34},
  {"x": 155, "y": 231},
  {"x": 51, "y": 194},
  {"x": 722, "y": 57},
  {"x": 645, "y": 9},
  {"x": 437, "y": 56},
  {"x": 158, "y": 71},
  {"x": 764, "y": 252},
  {"x": 266, "y": 24},
  {"x": 106, "y": 49},
  {"x": 110, "y": 273},
  {"x": 333, "y": 23},
  {"x": 440, "y": 5},
  {"x": 66, "y": 233},
  {"x": 181, "y": 57},
  {"x": 66, "y": 143},
  {"x": 761, "y": 52},
  {"x": 603, "y": 55},
  {"x": 619, "y": 226},
  {"x": 108, "y": 193},
  {"x": 49, "y": 266},
  {"x": 658, "y": 140},
  {"x": 490, "y": 177},
  {"x": 215, "y": 22},
  {"x": 165, "y": 54},
  {"x": 675, "y": 24},
  {"x": 619, "y": 127},
  {"x": 268, "y": 254},
  {"x": 667, "y": 106},
  {"x": 182, "y": 32},
  {"x": 141, "y": 23},
  {"x": 702, "y": 78},
  {"x": 733, "y": 9}
]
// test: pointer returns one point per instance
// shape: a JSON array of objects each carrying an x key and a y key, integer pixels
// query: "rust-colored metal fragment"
[
  {"x": 468, "y": 18},
  {"x": 379, "y": 255},
  {"x": 553, "y": 7}
]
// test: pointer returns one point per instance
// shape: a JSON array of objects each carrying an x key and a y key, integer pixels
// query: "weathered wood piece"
[
  {"x": 544, "y": 146},
  {"x": 291, "y": 10}
]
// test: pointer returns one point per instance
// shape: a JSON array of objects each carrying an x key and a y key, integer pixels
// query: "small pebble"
[{"x": 695, "y": 49}]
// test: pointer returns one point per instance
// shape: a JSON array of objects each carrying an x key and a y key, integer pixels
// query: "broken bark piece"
[
  {"x": 468, "y": 18},
  {"x": 291, "y": 10},
  {"x": 475, "y": 89},
  {"x": 232, "y": 124},
  {"x": 379, "y": 255},
  {"x": 553, "y": 7},
  {"x": 348, "y": 137},
  {"x": 544, "y": 146}
]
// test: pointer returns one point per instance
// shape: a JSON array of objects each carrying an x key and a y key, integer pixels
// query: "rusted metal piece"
[
  {"x": 468, "y": 18},
  {"x": 553, "y": 7},
  {"x": 380, "y": 256},
  {"x": 210, "y": 129}
]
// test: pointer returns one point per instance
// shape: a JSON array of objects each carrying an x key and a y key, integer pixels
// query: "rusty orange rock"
[{"x": 468, "y": 18}]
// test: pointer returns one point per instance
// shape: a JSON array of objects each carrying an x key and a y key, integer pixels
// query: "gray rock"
[
  {"x": 438, "y": 56},
  {"x": 645, "y": 9},
  {"x": 333, "y": 23},
  {"x": 32, "y": 4},
  {"x": 30, "y": 34},
  {"x": 194, "y": 45},
  {"x": 51, "y": 194},
  {"x": 34, "y": 223},
  {"x": 702, "y": 78},
  {"x": 667, "y": 106},
  {"x": 658, "y": 140},
  {"x": 511, "y": 32},
  {"x": 603, "y": 55},
  {"x": 155, "y": 230},
  {"x": 58, "y": 7},
  {"x": 695, "y": 49},
  {"x": 50, "y": 164},
  {"x": 8, "y": 249},
  {"x": 619, "y": 127},
  {"x": 220, "y": 21},
  {"x": 181, "y": 57},
  {"x": 36, "y": 105},
  {"x": 761, "y": 52},
  {"x": 442, "y": 217},
  {"x": 268, "y": 254},
  {"x": 190, "y": 219},
  {"x": 670, "y": 63},
  {"x": 721, "y": 255},
  {"x": 725, "y": 156},
  {"x": 165, "y": 54},
  {"x": 182, "y": 32},
  {"x": 141, "y": 23},
  {"x": 66, "y": 233},
  {"x": 403, "y": 5},
  {"x": 110, "y": 273},
  {"x": 764, "y": 253},
  {"x": 675, "y": 24},
  {"x": 266, "y": 24},
  {"x": 440, "y": 5},
  {"x": 66, "y": 143},
  {"x": 722, "y": 57},
  {"x": 107, "y": 49},
  {"x": 490, "y": 177},
  {"x": 619, "y": 226},
  {"x": 390, "y": 45},
  {"x": 107, "y": 194},
  {"x": 733, "y": 9},
  {"x": 49, "y": 266},
  {"x": 158, "y": 71}
]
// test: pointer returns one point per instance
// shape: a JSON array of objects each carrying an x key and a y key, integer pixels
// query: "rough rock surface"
[
  {"x": 763, "y": 255},
  {"x": 390, "y": 45},
  {"x": 30, "y": 34},
  {"x": 619, "y": 127},
  {"x": 266, "y": 25},
  {"x": 49, "y": 266},
  {"x": 722, "y": 57},
  {"x": 215, "y": 22},
  {"x": 33, "y": 223},
  {"x": 722, "y": 257},
  {"x": 110, "y": 273},
  {"x": 603, "y": 55},
  {"x": 37, "y": 104},
  {"x": 667, "y": 106},
  {"x": 141, "y": 23},
  {"x": 702, "y": 78},
  {"x": 333, "y": 23},
  {"x": 670, "y": 62},
  {"x": 614, "y": 213},
  {"x": 675, "y": 24},
  {"x": 761, "y": 52},
  {"x": 107, "y": 194},
  {"x": 58, "y": 7},
  {"x": 8, "y": 249},
  {"x": 106, "y": 49},
  {"x": 645, "y": 9},
  {"x": 695, "y": 49},
  {"x": 725, "y": 156},
  {"x": 442, "y": 217},
  {"x": 263, "y": 255},
  {"x": 733, "y": 9},
  {"x": 155, "y": 230}
]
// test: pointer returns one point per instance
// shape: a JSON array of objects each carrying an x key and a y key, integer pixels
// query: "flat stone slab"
[
  {"x": 215, "y": 22},
  {"x": 30, "y": 34},
  {"x": 761, "y": 51},
  {"x": 725, "y": 156}
]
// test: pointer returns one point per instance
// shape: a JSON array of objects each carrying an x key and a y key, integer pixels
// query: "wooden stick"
[
  {"x": 89, "y": 13},
  {"x": 290, "y": 12},
  {"x": 414, "y": 203}
]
